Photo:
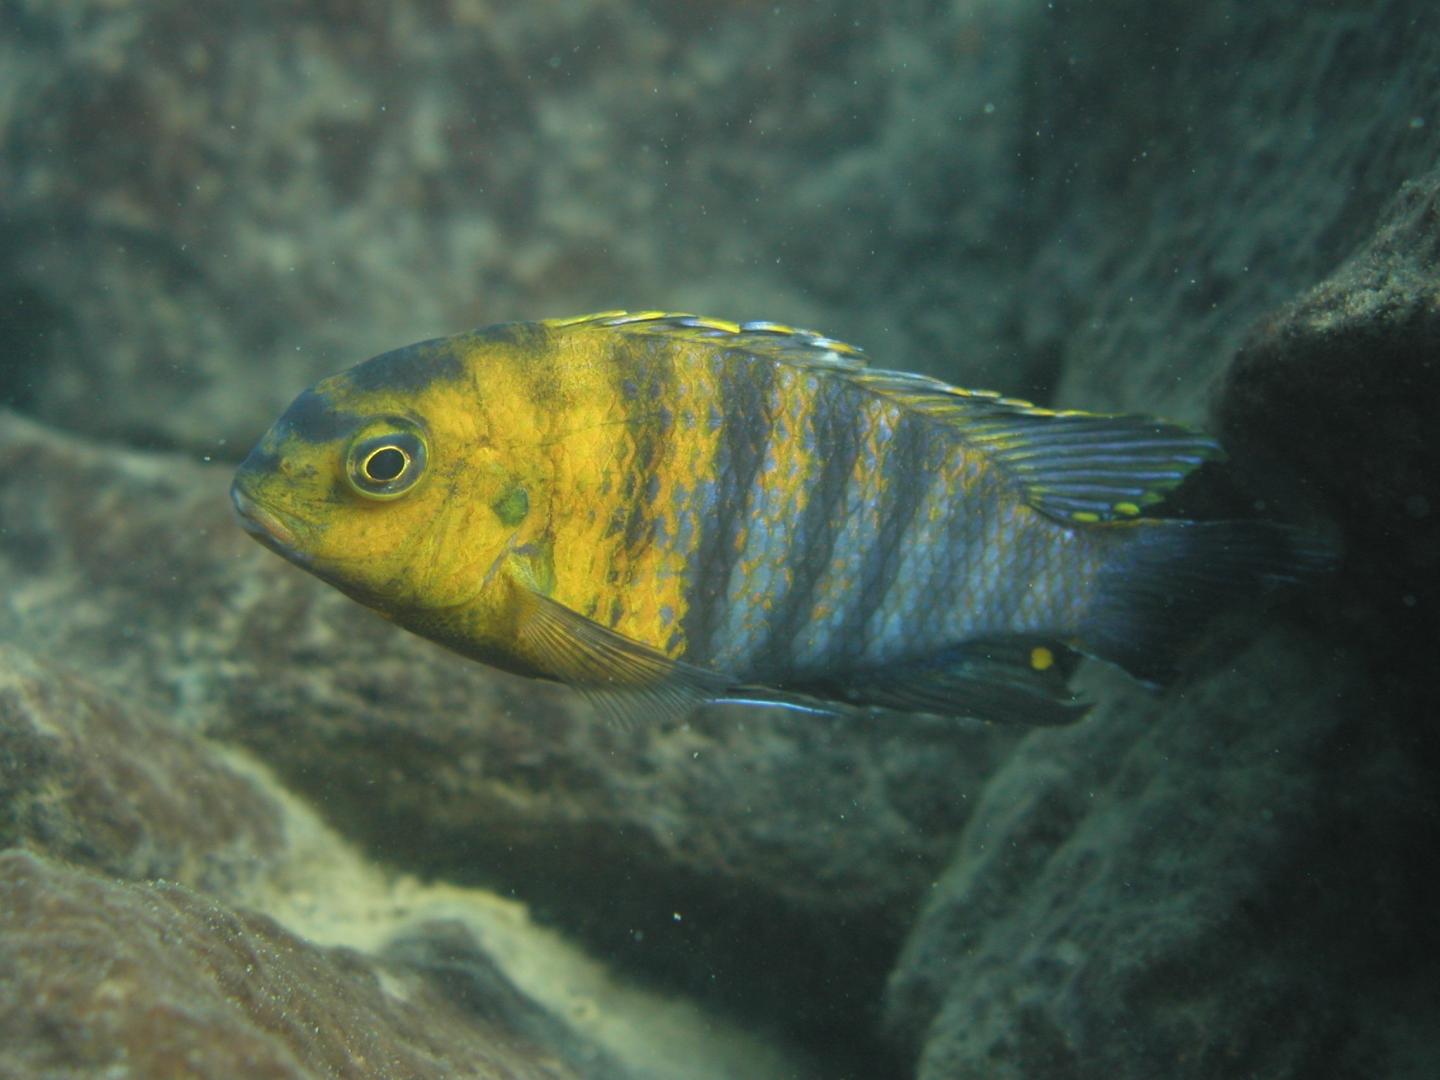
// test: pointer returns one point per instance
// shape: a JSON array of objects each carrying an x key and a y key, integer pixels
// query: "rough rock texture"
[
  {"x": 89, "y": 778},
  {"x": 119, "y": 789},
  {"x": 207, "y": 205},
  {"x": 108, "y": 978},
  {"x": 1353, "y": 366},
  {"x": 696, "y": 851},
  {"x": 1173, "y": 889},
  {"x": 1197, "y": 166}
]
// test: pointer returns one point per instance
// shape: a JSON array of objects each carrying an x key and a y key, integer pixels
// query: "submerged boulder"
[
  {"x": 116, "y": 788},
  {"x": 1188, "y": 886},
  {"x": 153, "y": 979}
]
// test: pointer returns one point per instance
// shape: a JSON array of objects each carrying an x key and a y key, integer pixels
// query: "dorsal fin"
[
  {"x": 788, "y": 344},
  {"x": 1086, "y": 467},
  {"x": 1074, "y": 466}
]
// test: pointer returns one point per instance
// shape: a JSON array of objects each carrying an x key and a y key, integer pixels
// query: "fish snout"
[{"x": 263, "y": 524}]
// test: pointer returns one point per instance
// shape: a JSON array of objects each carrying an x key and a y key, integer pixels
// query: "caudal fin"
[{"x": 1169, "y": 577}]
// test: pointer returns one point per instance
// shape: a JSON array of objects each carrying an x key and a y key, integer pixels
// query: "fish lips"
[{"x": 265, "y": 525}]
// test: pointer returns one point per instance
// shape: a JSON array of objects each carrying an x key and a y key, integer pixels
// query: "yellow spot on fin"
[
  {"x": 1008, "y": 680},
  {"x": 1084, "y": 467}
]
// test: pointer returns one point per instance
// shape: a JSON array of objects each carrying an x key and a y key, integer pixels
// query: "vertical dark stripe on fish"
[
  {"x": 901, "y": 463},
  {"x": 740, "y": 408},
  {"x": 653, "y": 374},
  {"x": 541, "y": 367},
  {"x": 967, "y": 528},
  {"x": 835, "y": 440},
  {"x": 921, "y": 547}
]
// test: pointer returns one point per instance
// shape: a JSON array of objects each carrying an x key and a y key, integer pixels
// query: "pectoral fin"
[{"x": 627, "y": 680}]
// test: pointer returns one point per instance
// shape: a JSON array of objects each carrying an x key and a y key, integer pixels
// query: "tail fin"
[{"x": 1169, "y": 577}]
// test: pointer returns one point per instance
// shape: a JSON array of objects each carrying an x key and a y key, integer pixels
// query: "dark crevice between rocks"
[
  {"x": 29, "y": 321},
  {"x": 1344, "y": 420}
]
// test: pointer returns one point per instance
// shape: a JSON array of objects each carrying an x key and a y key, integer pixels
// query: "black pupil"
[{"x": 384, "y": 465}]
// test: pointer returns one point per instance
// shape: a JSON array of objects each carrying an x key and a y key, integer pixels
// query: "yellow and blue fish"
[{"x": 664, "y": 510}]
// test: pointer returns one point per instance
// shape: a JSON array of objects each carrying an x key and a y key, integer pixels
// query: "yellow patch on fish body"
[{"x": 665, "y": 510}]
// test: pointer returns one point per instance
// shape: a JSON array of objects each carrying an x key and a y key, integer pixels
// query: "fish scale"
[
  {"x": 756, "y": 586},
  {"x": 927, "y": 562}
]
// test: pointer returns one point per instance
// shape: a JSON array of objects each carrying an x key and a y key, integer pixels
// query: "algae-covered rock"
[
  {"x": 209, "y": 205},
  {"x": 117, "y": 788},
  {"x": 156, "y": 980},
  {"x": 94, "y": 973},
  {"x": 1223, "y": 880}
]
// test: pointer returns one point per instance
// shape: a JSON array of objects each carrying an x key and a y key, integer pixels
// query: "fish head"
[{"x": 385, "y": 482}]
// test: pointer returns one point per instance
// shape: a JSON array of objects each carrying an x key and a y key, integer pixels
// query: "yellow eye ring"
[{"x": 386, "y": 465}]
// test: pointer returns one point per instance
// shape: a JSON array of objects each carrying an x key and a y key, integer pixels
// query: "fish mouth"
[{"x": 267, "y": 526}]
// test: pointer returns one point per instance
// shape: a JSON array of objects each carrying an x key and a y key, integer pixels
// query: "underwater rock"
[
  {"x": 1223, "y": 881},
  {"x": 156, "y": 980},
  {"x": 1342, "y": 387},
  {"x": 114, "y": 787},
  {"x": 1196, "y": 168},
  {"x": 1219, "y": 882},
  {"x": 104, "y": 784},
  {"x": 696, "y": 851}
]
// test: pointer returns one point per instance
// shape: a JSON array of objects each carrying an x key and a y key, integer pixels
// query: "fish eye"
[{"x": 387, "y": 465}]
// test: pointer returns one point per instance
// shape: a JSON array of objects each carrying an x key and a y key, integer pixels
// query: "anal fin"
[{"x": 1006, "y": 681}]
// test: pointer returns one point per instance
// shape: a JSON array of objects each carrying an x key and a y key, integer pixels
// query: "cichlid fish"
[{"x": 663, "y": 511}]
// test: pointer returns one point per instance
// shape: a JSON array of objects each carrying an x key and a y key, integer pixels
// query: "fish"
[{"x": 667, "y": 511}]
